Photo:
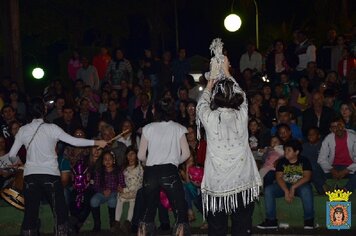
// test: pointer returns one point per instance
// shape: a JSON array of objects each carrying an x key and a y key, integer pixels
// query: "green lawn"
[{"x": 10, "y": 218}]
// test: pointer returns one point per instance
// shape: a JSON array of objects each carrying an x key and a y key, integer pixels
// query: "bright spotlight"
[
  {"x": 232, "y": 22},
  {"x": 38, "y": 73}
]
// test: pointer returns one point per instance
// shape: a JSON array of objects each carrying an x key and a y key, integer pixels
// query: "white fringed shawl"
[{"x": 230, "y": 168}]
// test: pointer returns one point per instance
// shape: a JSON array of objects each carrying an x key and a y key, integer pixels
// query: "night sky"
[{"x": 51, "y": 28}]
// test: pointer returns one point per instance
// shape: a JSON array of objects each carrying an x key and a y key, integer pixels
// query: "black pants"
[
  {"x": 83, "y": 212},
  {"x": 241, "y": 221},
  {"x": 35, "y": 187},
  {"x": 140, "y": 208},
  {"x": 165, "y": 177}
]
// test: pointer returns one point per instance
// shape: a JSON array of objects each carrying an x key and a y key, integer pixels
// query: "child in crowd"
[
  {"x": 271, "y": 155},
  {"x": 133, "y": 173},
  {"x": 129, "y": 138},
  {"x": 293, "y": 174},
  {"x": 311, "y": 150},
  {"x": 107, "y": 180},
  {"x": 258, "y": 137}
]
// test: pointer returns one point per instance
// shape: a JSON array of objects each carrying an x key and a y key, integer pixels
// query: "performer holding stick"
[
  {"x": 231, "y": 181},
  {"x": 41, "y": 173}
]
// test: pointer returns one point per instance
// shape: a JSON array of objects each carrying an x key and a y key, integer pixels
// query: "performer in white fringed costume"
[{"x": 231, "y": 180}]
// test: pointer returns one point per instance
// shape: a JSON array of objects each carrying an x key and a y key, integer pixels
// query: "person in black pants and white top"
[
  {"x": 167, "y": 147},
  {"x": 41, "y": 173}
]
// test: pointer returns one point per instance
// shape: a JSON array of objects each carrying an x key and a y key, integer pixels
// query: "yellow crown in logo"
[{"x": 338, "y": 195}]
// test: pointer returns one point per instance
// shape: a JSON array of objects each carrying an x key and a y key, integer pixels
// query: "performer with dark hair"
[
  {"x": 167, "y": 147},
  {"x": 231, "y": 180},
  {"x": 41, "y": 173}
]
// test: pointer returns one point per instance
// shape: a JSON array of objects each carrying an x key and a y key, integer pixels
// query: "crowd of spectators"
[{"x": 296, "y": 91}]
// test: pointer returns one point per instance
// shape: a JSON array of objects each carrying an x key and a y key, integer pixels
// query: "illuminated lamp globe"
[
  {"x": 232, "y": 22},
  {"x": 38, "y": 73}
]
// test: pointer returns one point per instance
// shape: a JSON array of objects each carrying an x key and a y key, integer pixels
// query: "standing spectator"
[
  {"x": 74, "y": 64},
  {"x": 251, "y": 59},
  {"x": 181, "y": 67},
  {"x": 89, "y": 74},
  {"x": 119, "y": 68},
  {"x": 101, "y": 62}
]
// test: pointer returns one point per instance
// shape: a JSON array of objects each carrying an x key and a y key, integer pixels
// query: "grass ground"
[{"x": 292, "y": 214}]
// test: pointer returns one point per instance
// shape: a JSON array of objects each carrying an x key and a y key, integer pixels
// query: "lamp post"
[
  {"x": 257, "y": 35},
  {"x": 233, "y": 22}
]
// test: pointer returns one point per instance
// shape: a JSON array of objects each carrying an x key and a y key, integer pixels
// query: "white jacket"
[
  {"x": 327, "y": 151},
  {"x": 230, "y": 167}
]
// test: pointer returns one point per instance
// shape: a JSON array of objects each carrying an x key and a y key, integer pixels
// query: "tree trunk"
[{"x": 12, "y": 42}]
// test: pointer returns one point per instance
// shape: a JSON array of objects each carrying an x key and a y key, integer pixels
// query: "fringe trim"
[{"x": 228, "y": 201}]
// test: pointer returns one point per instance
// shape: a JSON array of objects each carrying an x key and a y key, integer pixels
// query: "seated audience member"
[
  {"x": 89, "y": 120},
  {"x": 285, "y": 117},
  {"x": 107, "y": 179},
  {"x": 317, "y": 115},
  {"x": 348, "y": 114},
  {"x": 80, "y": 212},
  {"x": 258, "y": 137},
  {"x": 133, "y": 173},
  {"x": 271, "y": 155},
  {"x": 130, "y": 138},
  {"x": 113, "y": 116},
  {"x": 284, "y": 133},
  {"x": 301, "y": 95},
  {"x": 143, "y": 114},
  {"x": 310, "y": 151},
  {"x": 293, "y": 174},
  {"x": 57, "y": 111},
  {"x": 337, "y": 156},
  {"x": 117, "y": 147}
]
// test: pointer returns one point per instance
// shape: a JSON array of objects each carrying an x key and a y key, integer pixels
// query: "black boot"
[
  {"x": 96, "y": 217},
  {"x": 111, "y": 216}
]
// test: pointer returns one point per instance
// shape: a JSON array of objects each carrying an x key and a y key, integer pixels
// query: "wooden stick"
[{"x": 119, "y": 135}]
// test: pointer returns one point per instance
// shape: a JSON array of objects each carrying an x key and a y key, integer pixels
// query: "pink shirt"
[{"x": 342, "y": 155}]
